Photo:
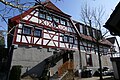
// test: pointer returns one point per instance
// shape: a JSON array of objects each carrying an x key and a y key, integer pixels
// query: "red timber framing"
[{"x": 49, "y": 32}]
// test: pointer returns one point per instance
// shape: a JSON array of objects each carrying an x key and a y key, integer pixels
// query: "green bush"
[{"x": 15, "y": 72}]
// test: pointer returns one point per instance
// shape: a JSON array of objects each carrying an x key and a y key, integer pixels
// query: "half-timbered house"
[{"x": 46, "y": 41}]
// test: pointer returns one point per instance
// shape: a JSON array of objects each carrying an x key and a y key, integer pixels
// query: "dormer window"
[
  {"x": 84, "y": 30},
  {"x": 81, "y": 29},
  {"x": 87, "y": 31},
  {"x": 94, "y": 35},
  {"x": 90, "y": 32}
]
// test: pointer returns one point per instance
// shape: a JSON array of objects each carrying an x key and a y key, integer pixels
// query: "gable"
[{"x": 50, "y": 5}]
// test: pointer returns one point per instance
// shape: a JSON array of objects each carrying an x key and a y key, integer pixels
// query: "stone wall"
[{"x": 29, "y": 57}]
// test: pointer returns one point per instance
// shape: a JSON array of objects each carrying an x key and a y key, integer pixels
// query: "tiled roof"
[
  {"x": 106, "y": 42},
  {"x": 52, "y": 6},
  {"x": 103, "y": 41},
  {"x": 112, "y": 39}
]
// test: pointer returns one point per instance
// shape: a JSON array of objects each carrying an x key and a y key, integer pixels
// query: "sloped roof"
[
  {"x": 48, "y": 5},
  {"x": 52, "y": 6},
  {"x": 112, "y": 39},
  {"x": 106, "y": 42},
  {"x": 19, "y": 17}
]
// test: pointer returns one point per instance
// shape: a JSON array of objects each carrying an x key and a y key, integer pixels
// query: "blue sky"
[{"x": 72, "y": 7}]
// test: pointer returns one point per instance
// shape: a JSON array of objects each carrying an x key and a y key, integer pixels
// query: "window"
[
  {"x": 37, "y": 32},
  {"x": 88, "y": 31},
  {"x": 76, "y": 42},
  {"x": 71, "y": 39},
  {"x": 65, "y": 38},
  {"x": 82, "y": 48},
  {"x": 81, "y": 29},
  {"x": 42, "y": 15},
  {"x": 89, "y": 59},
  {"x": 98, "y": 34},
  {"x": 63, "y": 22},
  {"x": 105, "y": 50},
  {"x": 49, "y": 17},
  {"x": 70, "y": 29},
  {"x": 84, "y": 30},
  {"x": 68, "y": 23},
  {"x": 55, "y": 24},
  {"x": 94, "y": 33},
  {"x": 26, "y": 30},
  {"x": 56, "y": 19}
]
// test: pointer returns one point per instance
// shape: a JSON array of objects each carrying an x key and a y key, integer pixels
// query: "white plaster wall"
[
  {"x": 95, "y": 61},
  {"x": 83, "y": 57},
  {"x": 106, "y": 61},
  {"x": 76, "y": 60}
]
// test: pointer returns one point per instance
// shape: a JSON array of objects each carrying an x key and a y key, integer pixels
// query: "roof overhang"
[{"x": 113, "y": 23}]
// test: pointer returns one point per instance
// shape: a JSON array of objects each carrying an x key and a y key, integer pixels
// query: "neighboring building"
[
  {"x": 46, "y": 41},
  {"x": 89, "y": 49}
]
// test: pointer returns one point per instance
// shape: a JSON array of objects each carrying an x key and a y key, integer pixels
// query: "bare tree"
[{"x": 93, "y": 17}]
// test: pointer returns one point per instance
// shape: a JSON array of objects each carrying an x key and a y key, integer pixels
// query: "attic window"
[
  {"x": 49, "y": 17},
  {"x": 87, "y": 31},
  {"x": 81, "y": 29},
  {"x": 42, "y": 15},
  {"x": 63, "y": 22},
  {"x": 56, "y": 19}
]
